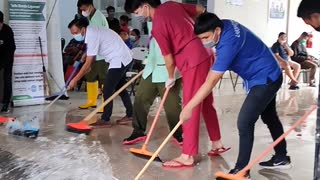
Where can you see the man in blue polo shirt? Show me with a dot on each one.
(238, 49)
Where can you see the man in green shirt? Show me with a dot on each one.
(97, 73)
(153, 83)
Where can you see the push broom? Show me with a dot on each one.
(158, 150)
(143, 152)
(63, 91)
(240, 175)
(84, 125)
(76, 65)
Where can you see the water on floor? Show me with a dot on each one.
(58, 154)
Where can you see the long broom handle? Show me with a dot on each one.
(163, 99)
(64, 89)
(158, 150)
(266, 151)
(112, 97)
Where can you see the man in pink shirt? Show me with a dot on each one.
(181, 48)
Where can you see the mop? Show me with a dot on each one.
(240, 175)
(143, 152)
(63, 91)
(83, 126)
(30, 127)
(44, 72)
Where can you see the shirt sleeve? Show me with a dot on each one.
(225, 55)
(92, 42)
(191, 9)
(160, 33)
(275, 48)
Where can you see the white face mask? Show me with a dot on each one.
(282, 42)
(141, 17)
(85, 13)
(211, 43)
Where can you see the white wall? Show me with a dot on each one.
(254, 15)
(68, 8)
(4, 9)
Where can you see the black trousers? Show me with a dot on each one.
(115, 79)
(7, 82)
(261, 101)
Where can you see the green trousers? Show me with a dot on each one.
(98, 72)
(146, 94)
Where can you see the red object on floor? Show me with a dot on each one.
(217, 152)
(68, 72)
(139, 139)
(5, 119)
(178, 166)
(79, 127)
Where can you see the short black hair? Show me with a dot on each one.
(207, 22)
(308, 7)
(84, 2)
(304, 34)
(125, 18)
(281, 33)
(137, 32)
(1, 17)
(109, 8)
(131, 5)
(82, 22)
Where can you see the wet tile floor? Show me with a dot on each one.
(58, 154)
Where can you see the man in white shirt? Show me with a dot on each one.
(104, 42)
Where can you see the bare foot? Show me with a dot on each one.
(217, 144)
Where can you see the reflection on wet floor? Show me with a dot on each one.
(58, 154)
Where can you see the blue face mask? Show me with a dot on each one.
(78, 37)
(132, 38)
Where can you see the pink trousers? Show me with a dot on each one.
(192, 81)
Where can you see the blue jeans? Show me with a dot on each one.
(261, 100)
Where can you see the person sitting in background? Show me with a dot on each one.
(73, 52)
(124, 22)
(302, 57)
(135, 38)
(282, 51)
(124, 34)
(113, 22)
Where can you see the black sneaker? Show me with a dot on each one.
(235, 171)
(5, 108)
(294, 87)
(277, 163)
(134, 138)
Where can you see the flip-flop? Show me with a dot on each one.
(218, 151)
(178, 165)
(139, 139)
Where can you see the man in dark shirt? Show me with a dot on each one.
(113, 22)
(7, 48)
(302, 57)
(282, 51)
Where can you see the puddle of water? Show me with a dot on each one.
(71, 158)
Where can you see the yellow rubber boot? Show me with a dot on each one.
(102, 101)
(92, 95)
